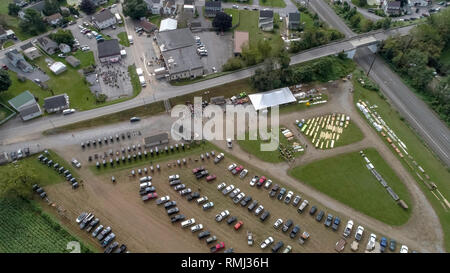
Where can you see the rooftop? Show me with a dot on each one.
(213, 4)
(271, 98)
(173, 39)
(21, 99)
(266, 13)
(103, 16)
(184, 59)
(294, 16)
(55, 101)
(108, 48)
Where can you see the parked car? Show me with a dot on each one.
(173, 211)
(261, 181)
(288, 197)
(252, 205)
(185, 191)
(267, 242)
(92, 224)
(163, 200)
(218, 158)
(232, 166)
(383, 244)
(221, 186)
(187, 223)
(372, 241)
(313, 210)
(348, 228)
(243, 173)
(238, 225)
(287, 249)
(320, 216)
(303, 206)
(277, 246)
(231, 220)
(235, 192)
(211, 239)
(229, 143)
(238, 197)
(281, 193)
(104, 233)
(170, 204)
(254, 180)
(278, 223)
(224, 214)
(259, 210)
(296, 200)
(135, 119)
(108, 239)
(218, 247)
(287, 225)
(202, 200)
(237, 170)
(245, 201)
(274, 190)
(203, 234)
(177, 218)
(328, 220)
(264, 216)
(359, 233)
(268, 184)
(174, 177)
(392, 245)
(197, 228)
(228, 189)
(404, 249)
(97, 231)
(121, 249)
(336, 223)
(294, 231)
(208, 205)
(211, 177)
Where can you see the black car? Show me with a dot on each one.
(134, 119)
(294, 231)
(245, 201)
(121, 249)
(313, 210)
(281, 194)
(170, 204)
(104, 233)
(112, 247)
(192, 196)
(274, 190)
(172, 211)
(230, 250)
(147, 190)
(336, 223)
(277, 246)
(252, 205)
(92, 224)
(177, 218)
(204, 234)
(320, 216)
(231, 220)
(264, 215)
(328, 221)
(287, 225)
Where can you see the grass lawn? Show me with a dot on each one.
(8, 44)
(235, 15)
(346, 179)
(86, 58)
(437, 171)
(272, 3)
(134, 78)
(155, 19)
(4, 112)
(123, 39)
(445, 56)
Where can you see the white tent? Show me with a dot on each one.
(58, 68)
(168, 24)
(271, 98)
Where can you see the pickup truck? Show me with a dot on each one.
(217, 247)
(249, 238)
(348, 228)
(372, 241)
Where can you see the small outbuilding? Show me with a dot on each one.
(56, 103)
(74, 62)
(58, 68)
(272, 98)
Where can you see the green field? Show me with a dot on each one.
(86, 58)
(8, 44)
(26, 229)
(123, 39)
(4, 112)
(445, 56)
(155, 19)
(437, 171)
(272, 3)
(346, 179)
(134, 78)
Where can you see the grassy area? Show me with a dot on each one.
(8, 44)
(445, 56)
(123, 39)
(30, 230)
(234, 13)
(134, 78)
(86, 58)
(190, 149)
(437, 171)
(272, 3)
(4, 112)
(155, 19)
(347, 180)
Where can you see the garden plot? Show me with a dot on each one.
(325, 131)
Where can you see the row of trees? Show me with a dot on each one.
(251, 55)
(417, 57)
(357, 21)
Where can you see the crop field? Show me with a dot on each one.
(26, 229)
(346, 178)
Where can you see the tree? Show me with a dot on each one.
(362, 3)
(264, 48)
(87, 6)
(32, 22)
(222, 21)
(13, 9)
(135, 8)
(17, 180)
(74, 10)
(284, 59)
(63, 36)
(50, 7)
(5, 81)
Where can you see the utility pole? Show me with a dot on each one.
(371, 65)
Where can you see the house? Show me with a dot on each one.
(265, 20)
(168, 24)
(147, 26)
(37, 6)
(392, 7)
(17, 60)
(56, 103)
(53, 19)
(189, 2)
(104, 19)
(23, 99)
(32, 53)
(293, 20)
(30, 111)
(212, 8)
(47, 44)
(170, 7)
(240, 39)
(74, 62)
(57, 67)
(154, 6)
(20, 3)
(2, 33)
(109, 51)
(419, 3)
(64, 48)
(179, 52)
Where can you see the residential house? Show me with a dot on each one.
(64, 48)
(17, 60)
(392, 8)
(212, 8)
(54, 19)
(419, 3)
(293, 20)
(104, 19)
(48, 45)
(32, 53)
(26, 105)
(20, 3)
(109, 51)
(189, 2)
(265, 20)
(74, 62)
(147, 26)
(56, 103)
(154, 6)
(170, 7)
(37, 6)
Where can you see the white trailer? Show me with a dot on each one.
(118, 18)
(142, 81)
(130, 39)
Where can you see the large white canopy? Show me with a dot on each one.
(271, 98)
(168, 24)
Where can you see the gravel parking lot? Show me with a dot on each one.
(220, 49)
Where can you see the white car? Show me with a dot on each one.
(348, 228)
(221, 186)
(238, 198)
(187, 223)
(218, 158)
(197, 228)
(235, 192)
(404, 249)
(268, 184)
(80, 27)
(68, 111)
(267, 242)
(371, 242)
(208, 205)
(222, 215)
(229, 143)
(85, 48)
(163, 200)
(228, 189)
(76, 163)
(235, 6)
(214, 69)
(174, 177)
(259, 210)
(359, 233)
(243, 173)
(253, 181)
(303, 206)
(202, 200)
(288, 197)
(278, 223)
(232, 166)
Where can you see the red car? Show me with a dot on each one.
(238, 225)
(196, 170)
(261, 181)
(149, 196)
(210, 177)
(237, 170)
(5, 67)
(218, 247)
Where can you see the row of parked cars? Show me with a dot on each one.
(105, 236)
(45, 159)
(105, 140)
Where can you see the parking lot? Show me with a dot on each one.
(220, 49)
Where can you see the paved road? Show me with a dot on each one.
(435, 132)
